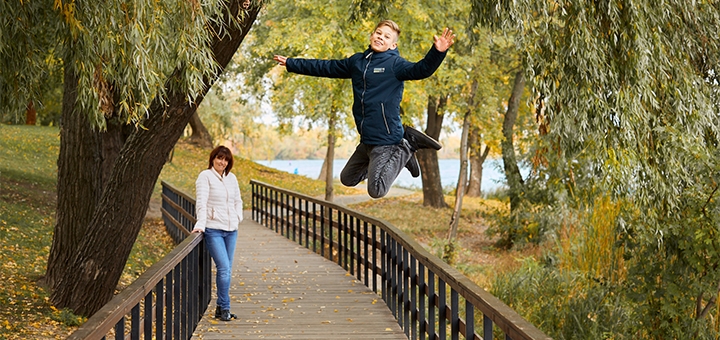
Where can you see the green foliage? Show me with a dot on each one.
(28, 32)
(122, 52)
(630, 87)
(628, 98)
(566, 305)
(538, 214)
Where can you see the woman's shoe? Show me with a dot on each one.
(218, 312)
(225, 315)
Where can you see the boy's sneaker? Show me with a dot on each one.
(419, 140)
(413, 166)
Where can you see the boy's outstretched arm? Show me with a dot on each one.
(443, 42)
(280, 59)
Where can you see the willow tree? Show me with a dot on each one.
(134, 75)
(628, 92)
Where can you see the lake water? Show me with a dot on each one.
(493, 176)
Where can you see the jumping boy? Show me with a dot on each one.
(377, 74)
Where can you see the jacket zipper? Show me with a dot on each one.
(382, 106)
(362, 98)
(227, 202)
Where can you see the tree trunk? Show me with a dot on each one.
(90, 278)
(323, 169)
(428, 160)
(477, 159)
(330, 159)
(200, 135)
(462, 178)
(512, 171)
(30, 114)
(79, 183)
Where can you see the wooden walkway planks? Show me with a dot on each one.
(281, 290)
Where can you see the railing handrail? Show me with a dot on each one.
(190, 255)
(509, 321)
(105, 319)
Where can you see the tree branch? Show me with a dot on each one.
(709, 305)
(704, 208)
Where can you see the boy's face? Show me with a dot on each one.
(384, 38)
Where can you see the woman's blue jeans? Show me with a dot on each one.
(221, 245)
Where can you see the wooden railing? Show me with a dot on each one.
(429, 298)
(169, 299)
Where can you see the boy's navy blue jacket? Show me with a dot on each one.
(377, 81)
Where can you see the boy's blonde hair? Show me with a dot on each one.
(391, 24)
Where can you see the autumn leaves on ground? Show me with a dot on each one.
(28, 172)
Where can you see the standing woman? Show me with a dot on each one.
(218, 208)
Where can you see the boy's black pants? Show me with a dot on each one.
(379, 164)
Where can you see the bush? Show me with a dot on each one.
(565, 305)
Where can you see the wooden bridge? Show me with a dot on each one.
(281, 290)
(304, 269)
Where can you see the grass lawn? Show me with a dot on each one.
(28, 174)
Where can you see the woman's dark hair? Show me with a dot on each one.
(222, 153)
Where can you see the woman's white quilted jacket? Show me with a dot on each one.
(218, 204)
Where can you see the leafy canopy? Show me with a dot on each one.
(122, 51)
(630, 85)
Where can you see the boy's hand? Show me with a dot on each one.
(280, 59)
(444, 42)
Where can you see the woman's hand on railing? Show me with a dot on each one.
(197, 230)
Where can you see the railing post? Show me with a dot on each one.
(442, 308)
(135, 323)
(375, 264)
(159, 299)
(469, 320)
(366, 254)
(148, 323)
(357, 253)
(455, 318)
(405, 291)
(432, 305)
(168, 306)
(413, 297)
(422, 288)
